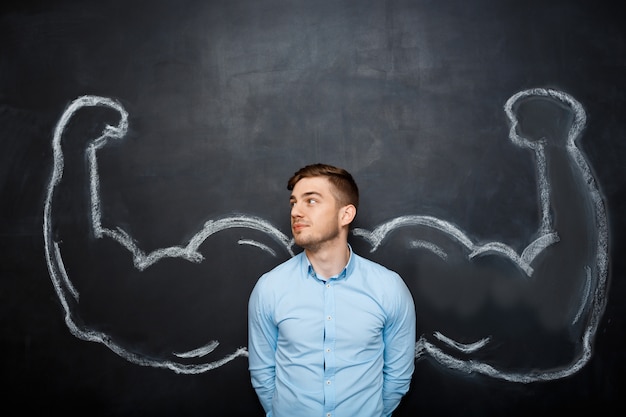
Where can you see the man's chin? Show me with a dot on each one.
(304, 242)
(300, 242)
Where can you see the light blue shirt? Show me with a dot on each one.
(344, 347)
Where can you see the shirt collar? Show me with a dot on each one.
(345, 272)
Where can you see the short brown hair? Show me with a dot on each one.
(342, 180)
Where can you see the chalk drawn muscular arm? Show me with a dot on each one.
(484, 307)
(107, 302)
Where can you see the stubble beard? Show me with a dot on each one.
(313, 243)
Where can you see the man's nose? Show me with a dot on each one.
(295, 210)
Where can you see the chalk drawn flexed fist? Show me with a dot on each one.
(483, 306)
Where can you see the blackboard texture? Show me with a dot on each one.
(146, 147)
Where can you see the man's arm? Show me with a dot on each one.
(399, 338)
(262, 337)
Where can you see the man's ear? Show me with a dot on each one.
(347, 214)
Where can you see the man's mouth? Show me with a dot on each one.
(298, 226)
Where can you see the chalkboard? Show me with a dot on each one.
(146, 151)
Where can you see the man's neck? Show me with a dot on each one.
(329, 260)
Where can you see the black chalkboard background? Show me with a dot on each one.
(225, 100)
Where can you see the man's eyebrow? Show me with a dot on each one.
(307, 194)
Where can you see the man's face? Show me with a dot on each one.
(314, 213)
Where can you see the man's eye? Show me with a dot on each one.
(311, 201)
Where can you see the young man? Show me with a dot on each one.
(330, 333)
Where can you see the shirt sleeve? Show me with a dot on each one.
(399, 338)
(262, 339)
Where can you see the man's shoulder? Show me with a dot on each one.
(287, 266)
(376, 270)
(278, 277)
(363, 262)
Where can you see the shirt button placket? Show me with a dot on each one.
(329, 348)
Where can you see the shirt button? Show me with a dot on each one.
(329, 318)
(327, 350)
(327, 285)
(327, 382)
(328, 414)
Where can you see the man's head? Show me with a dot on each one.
(345, 188)
(323, 202)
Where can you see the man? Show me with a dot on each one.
(330, 333)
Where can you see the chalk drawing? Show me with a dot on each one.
(62, 282)
(590, 309)
(592, 302)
